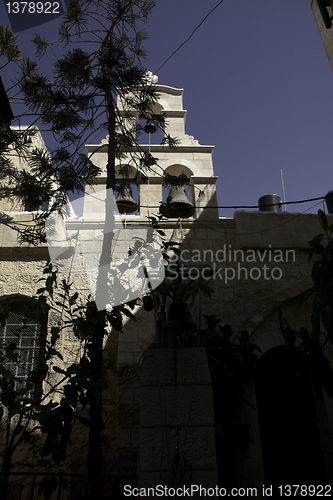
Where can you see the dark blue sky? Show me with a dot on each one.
(257, 85)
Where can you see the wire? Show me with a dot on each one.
(255, 206)
(180, 46)
(273, 204)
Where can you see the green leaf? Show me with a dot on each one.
(57, 369)
(317, 247)
(101, 382)
(323, 220)
(329, 290)
(148, 303)
(303, 334)
(49, 285)
(315, 333)
(73, 298)
(84, 421)
(116, 323)
(48, 486)
(128, 314)
(43, 304)
(304, 297)
(327, 319)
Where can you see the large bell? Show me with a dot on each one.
(179, 319)
(162, 338)
(178, 206)
(125, 202)
(150, 127)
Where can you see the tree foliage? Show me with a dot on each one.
(97, 63)
(317, 343)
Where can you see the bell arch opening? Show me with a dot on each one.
(176, 170)
(127, 193)
(155, 137)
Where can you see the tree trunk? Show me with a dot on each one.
(95, 459)
(6, 466)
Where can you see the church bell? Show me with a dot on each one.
(125, 202)
(179, 321)
(150, 127)
(178, 206)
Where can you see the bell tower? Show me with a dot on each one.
(190, 158)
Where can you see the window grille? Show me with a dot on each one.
(26, 327)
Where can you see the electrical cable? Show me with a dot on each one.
(180, 46)
(257, 206)
(204, 223)
(294, 202)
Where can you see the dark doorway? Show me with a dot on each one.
(290, 439)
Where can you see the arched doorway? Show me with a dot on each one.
(290, 440)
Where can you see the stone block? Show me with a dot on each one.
(176, 403)
(84, 235)
(195, 477)
(135, 438)
(170, 366)
(11, 289)
(6, 278)
(27, 278)
(26, 267)
(200, 234)
(128, 415)
(129, 347)
(9, 267)
(124, 438)
(26, 288)
(125, 358)
(199, 449)
(39, 266)
(253, 467)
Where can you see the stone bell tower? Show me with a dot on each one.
(139, 427)
(190, 158)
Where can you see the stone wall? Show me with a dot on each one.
(177, 444)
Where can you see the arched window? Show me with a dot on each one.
(23, 334)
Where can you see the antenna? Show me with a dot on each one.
(284, 197)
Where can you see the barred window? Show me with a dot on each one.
(25, 328)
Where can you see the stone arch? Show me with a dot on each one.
(190, 167)
(165, 106)
(132, 170)
(177, 169)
